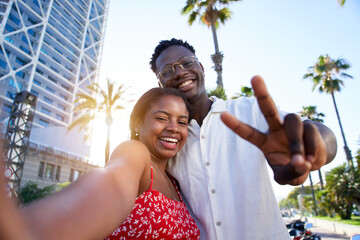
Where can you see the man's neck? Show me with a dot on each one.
(200, 108)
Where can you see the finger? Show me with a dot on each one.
(310, 137)
(294, 132)
(315, 149)
(290, 174)
(243, 130)
(266, 103)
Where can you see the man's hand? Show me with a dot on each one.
(292, 148)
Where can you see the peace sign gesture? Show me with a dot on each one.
(292, 148)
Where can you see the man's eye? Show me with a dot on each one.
(186, 64)
(167, 72)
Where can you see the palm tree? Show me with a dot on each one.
(210, 15)
(311, 113)
(327, 75)
(99, 101)
(341, 2)
(245, 92)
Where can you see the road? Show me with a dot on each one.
(327, 235)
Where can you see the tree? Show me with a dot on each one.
(245, 92)
(218, 92)
(31, 192)
(310, 113)
(342, 189)
(327, 75)
(341, 2)
(99, 101)
(211, 13)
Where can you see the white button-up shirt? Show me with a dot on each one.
(225, 179)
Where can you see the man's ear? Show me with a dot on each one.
(202, 68)
(160, 84)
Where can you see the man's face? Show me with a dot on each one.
(190, 80)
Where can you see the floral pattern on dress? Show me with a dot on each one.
(155, 216)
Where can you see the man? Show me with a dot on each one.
(224, 177)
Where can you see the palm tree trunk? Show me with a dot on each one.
(217, 58)
(313, 194)
(107, 147)
(346, 148)
(321, 180)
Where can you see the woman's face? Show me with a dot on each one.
(165, 127)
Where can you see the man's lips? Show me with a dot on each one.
(183, 85)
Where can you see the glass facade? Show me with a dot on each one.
(51, 48)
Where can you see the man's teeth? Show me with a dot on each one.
(173, 140)
(185, 84)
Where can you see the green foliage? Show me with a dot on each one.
(218, 92)
(61, 186)
(293, 195)
(31, 192)
(209, 12)
(245, 92)
(285, 204)
(327, 74)
(311, 113)
(343, 185)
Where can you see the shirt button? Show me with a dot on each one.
(213, 191)
(202, 136)
(207, 164)
(218, 224)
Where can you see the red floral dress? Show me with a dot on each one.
(155, 216)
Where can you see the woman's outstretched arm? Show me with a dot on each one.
(94, 205)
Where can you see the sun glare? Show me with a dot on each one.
(119, 132)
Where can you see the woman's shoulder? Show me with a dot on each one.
(133, 150)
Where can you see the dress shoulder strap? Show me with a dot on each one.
(176, 186)
(152, 176)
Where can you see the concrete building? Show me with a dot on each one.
(51, 48)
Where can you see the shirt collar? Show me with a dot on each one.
(219, 105)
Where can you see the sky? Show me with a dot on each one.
(278, 40)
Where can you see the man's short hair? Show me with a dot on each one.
(164, 44)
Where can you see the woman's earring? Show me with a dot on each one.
(137, 132)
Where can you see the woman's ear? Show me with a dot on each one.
(137, 125)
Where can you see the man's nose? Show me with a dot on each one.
(179, 70)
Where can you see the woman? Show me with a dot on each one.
(103, 199)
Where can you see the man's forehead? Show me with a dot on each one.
(172, 54)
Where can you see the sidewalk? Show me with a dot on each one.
(340, 228)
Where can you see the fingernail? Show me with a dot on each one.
(297, 159)
(310, 158)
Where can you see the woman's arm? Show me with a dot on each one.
(94, 205)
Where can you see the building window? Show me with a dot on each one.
(46, 111)
(48, 100)
(50, 89)
(41, 170)
(34, 92)
(49, 171)
(3, 64)
(61, 107)
(37, 82)
(59, 117)
(62, 96)
(43, 123)
(74, 174)
(6, 108)
(58, 171)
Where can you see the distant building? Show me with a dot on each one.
(51, 48)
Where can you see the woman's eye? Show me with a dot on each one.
(161, 118)
(183, 123)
